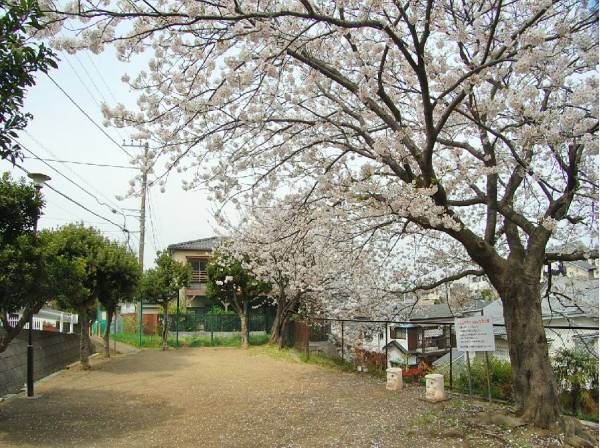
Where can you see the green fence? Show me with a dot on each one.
(261, 320)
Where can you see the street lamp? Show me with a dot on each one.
(39, 180)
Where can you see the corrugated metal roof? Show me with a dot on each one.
(200, 244)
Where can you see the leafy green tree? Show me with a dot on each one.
(19, 60)
(161, 285)
(81, 248)
(118, 277)
(575, 370)
(20, 255)
(229, 282)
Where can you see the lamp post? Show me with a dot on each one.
(39, 180)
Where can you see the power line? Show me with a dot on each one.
(154, 239)
(68, 178)
(124, 229)
(101, 77)
(98, 192)
(90, 78)
(88, 116)
(81, 81)
(103, 165)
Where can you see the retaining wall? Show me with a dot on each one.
(52, 352)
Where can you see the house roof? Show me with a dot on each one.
(396, 345)
(458, 357)
(569, 297)
(571, 247)
(437, 311)
(200, 244)
(443, 311)
(582, 264)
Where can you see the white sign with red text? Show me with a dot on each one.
(474, 334)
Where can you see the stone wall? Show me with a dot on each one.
(52, 352)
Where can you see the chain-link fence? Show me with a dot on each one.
(206, 328)
(423, 347)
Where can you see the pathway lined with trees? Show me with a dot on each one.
(239, 398)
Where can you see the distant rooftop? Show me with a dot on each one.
(569, 248)
(200, 244)
(443, 311)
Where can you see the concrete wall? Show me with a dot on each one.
(52, 352)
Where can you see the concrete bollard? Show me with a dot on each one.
(434, 387)
(394, 378)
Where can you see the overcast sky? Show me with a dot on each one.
(61, 131)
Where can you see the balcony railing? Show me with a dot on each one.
(199, 277)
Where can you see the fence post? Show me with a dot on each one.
(386, 344)
(177, 323)
(212, 329)
(343, 359)
(308, 339)
(487, 374)
(141, 321)
(450, 340)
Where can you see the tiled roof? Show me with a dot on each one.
(201, 244)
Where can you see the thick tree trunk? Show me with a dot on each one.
(534, 384)
(109, 316)
(84, 338)
(165, 327)
(277, 327)
(244, 327)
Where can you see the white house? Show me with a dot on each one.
(50, 320)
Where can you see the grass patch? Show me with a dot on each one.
(327, 361)
(283, 354)
(154, 341)
(425, 420)
(293, 355)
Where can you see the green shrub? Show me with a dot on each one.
(130, 324)
(500, 378)
(576, 373)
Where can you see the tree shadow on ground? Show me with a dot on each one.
(145, 361)
(79, 417)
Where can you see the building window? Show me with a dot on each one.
(198, 266)
(398, 333)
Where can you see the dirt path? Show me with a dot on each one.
(223, 398)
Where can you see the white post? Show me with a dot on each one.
(71, 323)
(61, 321)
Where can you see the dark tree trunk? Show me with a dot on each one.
(165, 327)
(574, 398)
(109, 316)
(84, 338)
(277, 327)
(8, 333)
(534, 384)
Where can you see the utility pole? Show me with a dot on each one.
(143, 207)
(143, 194)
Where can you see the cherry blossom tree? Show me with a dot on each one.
(311, 263)
(472, 123)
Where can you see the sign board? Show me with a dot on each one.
(475, 334)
